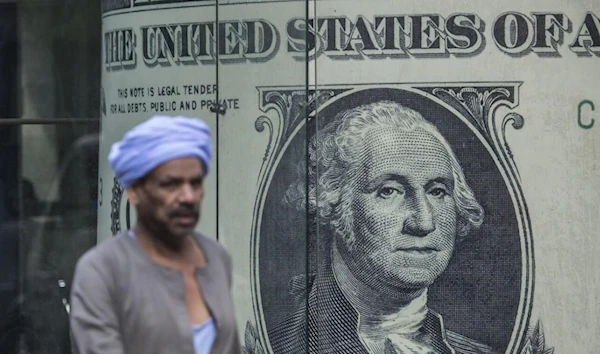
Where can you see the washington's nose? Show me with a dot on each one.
(419, 221)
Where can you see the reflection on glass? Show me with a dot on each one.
(49, 98)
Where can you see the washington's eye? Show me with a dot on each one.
(439, 192)
(387, 192)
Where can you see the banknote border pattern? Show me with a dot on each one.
(116, 202)
(286, 110)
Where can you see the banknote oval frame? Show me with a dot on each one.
(483, 109)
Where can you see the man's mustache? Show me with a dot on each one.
(184, 210)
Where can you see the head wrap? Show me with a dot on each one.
(158, 140)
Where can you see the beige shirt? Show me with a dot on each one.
(123, 302)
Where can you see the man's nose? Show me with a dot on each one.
(187, 193)
(419, 221)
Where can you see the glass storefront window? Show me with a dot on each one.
(49, 128)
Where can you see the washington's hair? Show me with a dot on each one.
(334, 163)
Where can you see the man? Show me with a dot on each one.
(161, 287)
(392, 202)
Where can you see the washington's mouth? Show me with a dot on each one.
(418, 250)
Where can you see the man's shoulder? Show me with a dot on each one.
(465, 345)
(102, 255)
(212, 245)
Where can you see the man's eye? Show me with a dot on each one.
(168, 184)
(387, 192)
(439, 192)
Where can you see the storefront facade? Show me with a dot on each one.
(510, 89)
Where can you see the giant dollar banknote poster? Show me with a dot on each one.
(393, 177)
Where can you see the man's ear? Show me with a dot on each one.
(132, 195)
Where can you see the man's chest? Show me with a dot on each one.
(153, 310)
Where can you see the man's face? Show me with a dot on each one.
(168, 199)
(404, 210)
